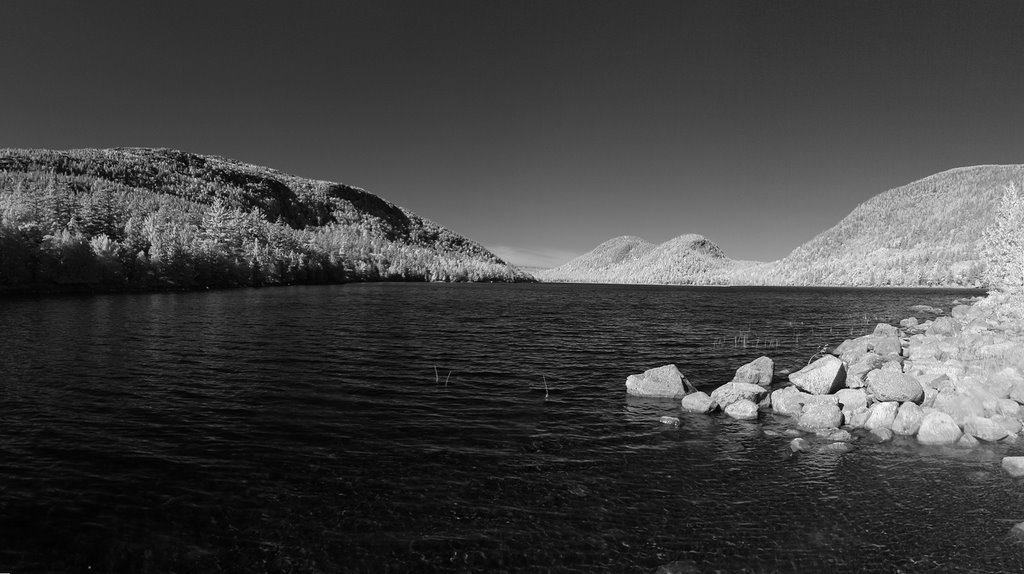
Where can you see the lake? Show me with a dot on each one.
(406, 428)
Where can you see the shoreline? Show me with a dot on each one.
(955, 381)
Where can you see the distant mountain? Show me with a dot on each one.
(686, 260)
(141, 218)
(925, 233)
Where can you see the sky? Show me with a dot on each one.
(542, 128)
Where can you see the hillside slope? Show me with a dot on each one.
(923, 233)
(159, 218)
(686, 260)
(926, 233)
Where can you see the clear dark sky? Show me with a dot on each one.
(541, 129)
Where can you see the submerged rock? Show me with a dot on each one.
(822, 377)
(938, 428)
(730, 393)
(698, 402)
(757, 372)
(664, 381)
(880, 435)
(799, 445)
(667, 420)
(835, 435)
(836, 448)
(743, 410)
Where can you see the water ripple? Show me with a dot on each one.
(305, 430)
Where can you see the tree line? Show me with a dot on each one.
(76, 229)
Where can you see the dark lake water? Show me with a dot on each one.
(304, 430)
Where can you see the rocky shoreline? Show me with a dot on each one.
(955, 381)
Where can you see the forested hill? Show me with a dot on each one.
(140, 218)
(686, 260)
(924, 233)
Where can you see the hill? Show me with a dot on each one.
(923, 233)
(686, 260)
(141, 218)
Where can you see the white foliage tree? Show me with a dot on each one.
(1003, 243)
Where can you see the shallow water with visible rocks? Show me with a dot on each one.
(406, 428)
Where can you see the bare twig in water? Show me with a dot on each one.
(436, 381)
(545, 386)
(820, 352)
(446, 378)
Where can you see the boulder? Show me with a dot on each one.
(1017, 392)
(698, 402)
(1011, 424)
(938, 428)
(937, 381)
(882, 415)
(819, 415)
(887, 347)
(1002, 383)
(908, 419)
(944, 326)
(666, 420)
(858, 417)
(1014, 465)
(851, 399)
(960, 312)
(924, 352)
(729, 393)
(929, 397)
(926, 309)
(885, 330)
(967, 441)
(853, 347)
(787, 401)
(664, 381)
(984, 429)
(860, 367)
(909, 323)
(822, 377)
(742, 409)
(757, 372)
(958, 406)
(893, 366)
(894, 386)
